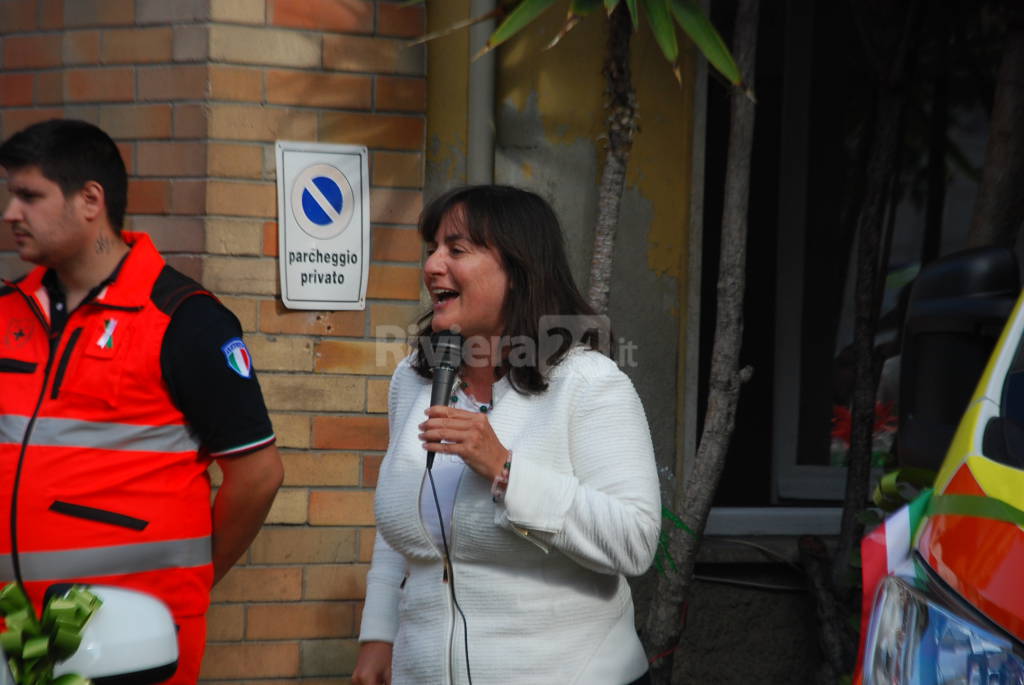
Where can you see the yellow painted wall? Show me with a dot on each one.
(448, 61)
(568, 85)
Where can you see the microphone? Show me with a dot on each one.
(446, 357)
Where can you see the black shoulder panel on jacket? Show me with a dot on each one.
(172, 288)
(7, 289)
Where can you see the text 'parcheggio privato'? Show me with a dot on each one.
(337, 260)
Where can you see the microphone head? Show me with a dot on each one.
(446, 350)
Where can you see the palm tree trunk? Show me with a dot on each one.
(882, 171)
(621, 128)
(664, 627)
(999, 210)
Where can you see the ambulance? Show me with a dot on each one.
(952, 612)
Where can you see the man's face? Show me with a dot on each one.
(46, 225)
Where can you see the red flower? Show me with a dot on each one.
(842, 421)
(885, 420)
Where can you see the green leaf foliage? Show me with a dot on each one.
(700, 30)
(663, 27)
(577, 10)
(584, 7)
(686, 13)
(524, 13)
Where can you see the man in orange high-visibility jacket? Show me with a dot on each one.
(121, 380)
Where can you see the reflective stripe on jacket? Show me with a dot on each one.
(100, 474)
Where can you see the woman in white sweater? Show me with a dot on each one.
(546, 488)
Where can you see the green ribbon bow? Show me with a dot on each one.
(34, 646)
(899, 487)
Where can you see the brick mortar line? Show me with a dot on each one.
(100, 103)
(372, 33)
(232, 217)
(330, 338)
(273, 602)
(240, 141)
(35, 70)
(332, 488)
(268, 257)
(332, 415)
(345, 72)
(287, 107)
(324, 70)
(288, 372)
(118, 27)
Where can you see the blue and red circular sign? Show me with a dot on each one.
(322, 201)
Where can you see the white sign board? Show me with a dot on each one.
(323, 211)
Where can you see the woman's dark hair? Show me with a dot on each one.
(524, 231)
(71, 153)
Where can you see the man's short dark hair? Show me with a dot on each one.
(71, 153)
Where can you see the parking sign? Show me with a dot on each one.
(323, 211)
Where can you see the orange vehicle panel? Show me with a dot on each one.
(978, 557)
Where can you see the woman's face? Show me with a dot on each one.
(467, 282)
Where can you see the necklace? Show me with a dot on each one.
(470, 402)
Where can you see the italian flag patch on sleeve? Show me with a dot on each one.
(237, 356)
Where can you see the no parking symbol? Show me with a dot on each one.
(323, 225)
(322, 201)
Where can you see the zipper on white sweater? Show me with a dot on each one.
(445, 578)
(525, 534)
(448, 580)
(451, 639)
(423, 527)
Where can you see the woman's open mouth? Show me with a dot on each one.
(441, 296)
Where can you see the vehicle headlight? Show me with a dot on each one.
(914, 640)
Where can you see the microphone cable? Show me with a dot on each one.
(449, 574)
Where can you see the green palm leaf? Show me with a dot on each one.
(516, 21)
(582, 8)
(698, 27)
(663, 27)
(577, 10)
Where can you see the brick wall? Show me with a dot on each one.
(196, 92)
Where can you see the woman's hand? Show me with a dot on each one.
(373, 666)
(467, 434)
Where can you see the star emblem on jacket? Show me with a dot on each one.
(19, 332)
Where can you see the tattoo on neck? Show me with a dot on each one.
(102, 244)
